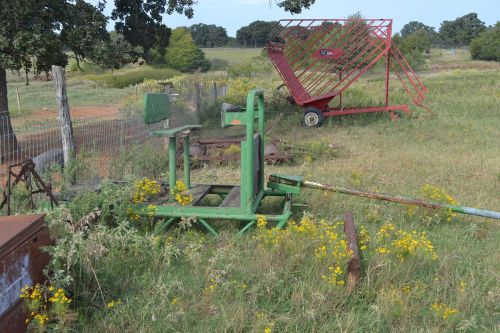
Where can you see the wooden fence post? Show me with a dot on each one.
(197, 87)
(63, 116)
(215, 92)
(18, 100)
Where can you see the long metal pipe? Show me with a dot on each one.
(403, 200)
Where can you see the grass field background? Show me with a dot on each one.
(188, 281)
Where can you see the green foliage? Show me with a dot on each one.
(218, 64)
(127, 77)
(147, 160)
(112, 200)
(208, 35)
(183, 54)
(256, 34)
(487, 45)
(239, 88)
(53, 26)
(141, 23)
(415, 26)
(413, 46)
(295, 6)
(257, 66)
(462, 30)
(115, 53)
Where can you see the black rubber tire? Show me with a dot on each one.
(313, 117)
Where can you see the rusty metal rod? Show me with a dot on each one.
(403, 200)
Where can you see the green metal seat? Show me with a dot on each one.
(171, 132)
(157, 108)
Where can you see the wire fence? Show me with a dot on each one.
(105, 130)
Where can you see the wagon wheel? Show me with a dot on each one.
(313, 117)
(281, 93)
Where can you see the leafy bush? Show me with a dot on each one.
(487, 45)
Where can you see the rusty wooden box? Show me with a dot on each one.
(21, 264)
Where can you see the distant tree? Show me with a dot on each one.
(208, 35)
(414, 26)
(417, 41)
(295, 6)
(256, 34)
(115, 53)
(487, 45)
(232, 42)
(413, 47)
(35, 34)
(462, 30)
(183, 54)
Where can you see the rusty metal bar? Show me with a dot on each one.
(403, 200)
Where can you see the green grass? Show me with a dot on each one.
(40, 95)
(232, 55)
(164, 281)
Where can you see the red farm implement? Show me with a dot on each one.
(318, 59)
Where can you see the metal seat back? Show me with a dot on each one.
(157, 108)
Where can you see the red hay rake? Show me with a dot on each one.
(320, 58)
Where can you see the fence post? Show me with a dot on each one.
(63, 116)
(18, 100)
(197, 96)
(214, 87)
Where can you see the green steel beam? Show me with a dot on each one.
(208, 227)
(187, 171)
(172, 177)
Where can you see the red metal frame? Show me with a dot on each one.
(318, 59)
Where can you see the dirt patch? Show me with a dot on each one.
(82, 111)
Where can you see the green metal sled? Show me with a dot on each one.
(240, 202)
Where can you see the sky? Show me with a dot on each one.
(233, 14)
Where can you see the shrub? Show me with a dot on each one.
(487, 45)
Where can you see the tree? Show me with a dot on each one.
(462, 30)
(115, 53)
(414, 26)
(295, 6)
(256, 34)
(418, 41)
(208, 35)
(487, 45)
(34, 35)
(183, 54)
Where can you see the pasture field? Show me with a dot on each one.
(421, 271)
(232, 54)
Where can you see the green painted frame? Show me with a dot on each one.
(249, 201)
